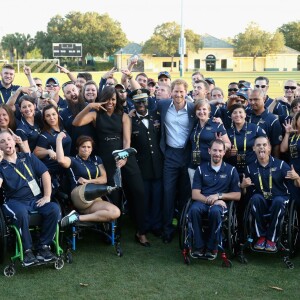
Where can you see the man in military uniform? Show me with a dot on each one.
(145, 139)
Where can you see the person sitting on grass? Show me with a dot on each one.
(87, 177)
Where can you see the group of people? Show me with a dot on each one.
(188, 144)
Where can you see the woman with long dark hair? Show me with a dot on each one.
(45, 149)
(113, 130)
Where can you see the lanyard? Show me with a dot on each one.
(296, 139)
(250, 121)
(260, 181)
(197, 138)
(21, 175)
(88, 170)
(2, 98)
(245, 139)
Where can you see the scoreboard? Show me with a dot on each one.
(67, 49)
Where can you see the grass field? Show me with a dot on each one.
(157, 272)
(222, 79)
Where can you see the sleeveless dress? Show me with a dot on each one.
(109, 132)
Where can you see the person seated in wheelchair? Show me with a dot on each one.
(269, 178)
(88, 182)
(214, 183)
(19, 177)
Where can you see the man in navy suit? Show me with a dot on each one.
(177, 119)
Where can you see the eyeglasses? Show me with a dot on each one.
(39, 84)
(232, 90)
(262, 86)
(52, 85)
(290, 88)
(66, 83)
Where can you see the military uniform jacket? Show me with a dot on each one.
(146, 142)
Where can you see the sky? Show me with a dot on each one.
(138, 19)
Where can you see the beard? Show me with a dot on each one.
(76, 107)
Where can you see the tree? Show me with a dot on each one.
(164, 40)
(8, 43)
(17, 44)
(43, 43)
(99, 34)
(24, 44)
(291, 32)
(255, 42)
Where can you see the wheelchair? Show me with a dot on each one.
(288, 235)
(229, 234)
(108, 230)
(10, 237)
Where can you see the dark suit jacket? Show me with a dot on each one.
(162, 108)
(146, 142)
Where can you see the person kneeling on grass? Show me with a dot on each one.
(214, 183)
(88, 178)
(19, 177)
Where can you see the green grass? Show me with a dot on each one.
(222, 79)
(157, 272)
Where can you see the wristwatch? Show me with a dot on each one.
(220, 196)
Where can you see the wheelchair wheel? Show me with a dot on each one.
(119, 250)
(248, 221)
(9, 271)
(3, 240)
(183, 225)
(69, 257)
(232, 229)
(59, 264)
(293, 228)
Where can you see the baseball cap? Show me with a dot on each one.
(210, 81)
(242, 94)
(245, 84)
(52, 79)
(164, 73)
(151, 81)
(120, 86)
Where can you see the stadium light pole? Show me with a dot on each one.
(121, 57)
(181, 44)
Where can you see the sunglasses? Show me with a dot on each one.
(244, 89)
(290, 88)
(52, 85)
(262, 86)
(121, 91)
(39, 84)
(232, 90)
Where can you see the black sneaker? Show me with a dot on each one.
(71, 218)
(44, 254)
(29, 258)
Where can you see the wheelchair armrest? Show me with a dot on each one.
(61, 195)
